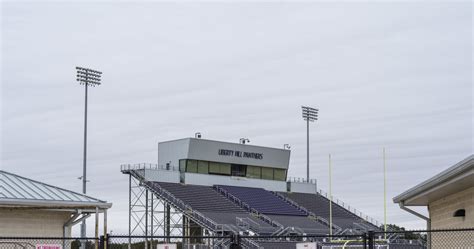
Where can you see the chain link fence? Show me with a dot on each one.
(434, 239)
(168, 242)
(48, 243)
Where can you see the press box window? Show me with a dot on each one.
(238, 169)
(182, 165)
(254, 172)
(267, 173)
(203, 167)
(191, 166)
(279, 174)
(219, 168)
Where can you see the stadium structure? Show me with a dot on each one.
(203, 187)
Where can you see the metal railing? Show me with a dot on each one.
(143, 166)
(307, 212)
(301, 180)
(177, 203)
(250, 209)
(350, 209)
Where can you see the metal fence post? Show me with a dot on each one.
(371, 239)
(106, 242)
(101, 242)
(364, 240)
(236, 243)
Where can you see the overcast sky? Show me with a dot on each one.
(393, 75)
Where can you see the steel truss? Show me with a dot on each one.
(150, 216)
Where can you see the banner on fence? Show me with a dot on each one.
(48, 246)
(307, 245)
(166, 246)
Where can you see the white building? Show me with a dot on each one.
(30, 208)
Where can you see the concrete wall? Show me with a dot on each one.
(159, 175)
(441, 214)
(303, 187)
(33, 223)
(209, 180)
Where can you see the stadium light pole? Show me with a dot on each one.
(309, 115)
(86, 77)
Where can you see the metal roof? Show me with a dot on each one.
(15, 189)
(456, 178)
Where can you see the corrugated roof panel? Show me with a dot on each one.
(16, 187)
(27, 187)
(9, 186)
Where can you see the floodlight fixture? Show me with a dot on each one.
(88, 77)
(309, 114)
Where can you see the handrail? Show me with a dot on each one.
(247, 223)
(250, 209)
(307, 212)
(350, 209)
(301, 180)
(142, 166)
(185, 208)
(177, 203)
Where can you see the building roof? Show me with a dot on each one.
(16, 190)
(224, 142)
(452, 180)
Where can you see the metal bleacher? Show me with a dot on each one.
(216, 207)
(262, 200)
(319, 205)
(265, 202)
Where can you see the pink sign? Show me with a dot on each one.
(48, 246)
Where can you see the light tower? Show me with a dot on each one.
(309, 115)
(86, 77)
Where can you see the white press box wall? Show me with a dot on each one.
(208, 150)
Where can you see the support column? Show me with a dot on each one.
(106, 235)
(129, 211)
(96, 242)
(146, 219)
(167, 228)
(151, 220)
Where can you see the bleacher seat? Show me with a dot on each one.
(319, 205)
(263, 201)
(207, 201)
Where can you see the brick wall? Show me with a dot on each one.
(441, 214)
(442, 211)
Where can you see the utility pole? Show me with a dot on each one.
(86, 77)
(384, 196)
(309, 115)
(330, 196)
